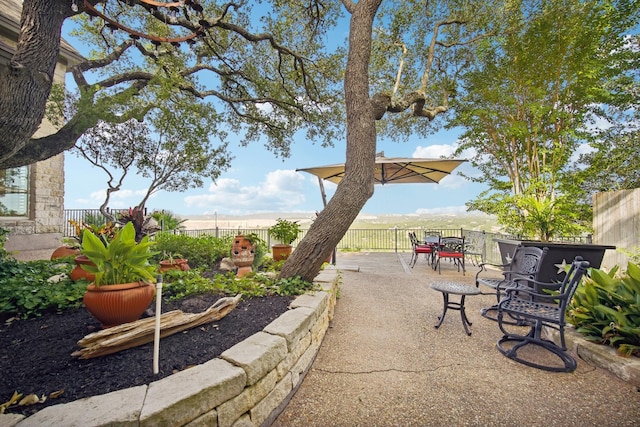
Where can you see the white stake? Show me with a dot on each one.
(156, 336)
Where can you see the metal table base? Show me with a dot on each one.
(455, 288)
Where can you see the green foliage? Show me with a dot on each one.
(122, 260)
(167, 220)
(285, 231)
(606, 309)
(523, 126)
(3, 239)
(179, 284)
(203, 251)
(293, 286)
(26, 292)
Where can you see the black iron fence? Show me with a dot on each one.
(357, 239)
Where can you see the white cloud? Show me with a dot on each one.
(434, 151)
(280, 191)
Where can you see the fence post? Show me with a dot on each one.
(396, 238)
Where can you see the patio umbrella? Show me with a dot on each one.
(390, 170)
(394, 170)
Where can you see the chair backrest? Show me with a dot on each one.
(413, 238)
(475, 241)
(451, 245)
(431, 238)
(572, 280)
(526, 262)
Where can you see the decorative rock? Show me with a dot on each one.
(227, 265)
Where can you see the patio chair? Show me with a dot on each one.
(418, 248)
(526, 262)
(539, 304)
(451, 248)
(474, 248)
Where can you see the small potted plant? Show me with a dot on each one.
(123, 285)
(285, 232)
(173, 261)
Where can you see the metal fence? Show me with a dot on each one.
(357, 239)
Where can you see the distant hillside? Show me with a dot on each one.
(472, 221)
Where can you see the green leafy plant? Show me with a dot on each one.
(285, 231)
(294, 286)
(27, 289)
(606, 309)
(123, 260)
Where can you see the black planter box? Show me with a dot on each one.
(559, 254)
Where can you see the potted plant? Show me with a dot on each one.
(122, 288)
(285, 232)
(173, 261)
(103, 232)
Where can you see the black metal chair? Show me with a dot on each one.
(526, 262)
(539, 304)
(419, 248)
(451, 248)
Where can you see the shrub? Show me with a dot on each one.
(203, 251)
(606, 309)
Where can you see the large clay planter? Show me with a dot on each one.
(242, 254)
(114, 305)
(64, 251)
(176, 264)
(80, 273)
(281, 252)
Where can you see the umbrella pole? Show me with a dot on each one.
(322, 193)
(156, 336)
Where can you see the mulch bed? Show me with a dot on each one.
(35, 355)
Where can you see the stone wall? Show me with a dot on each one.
(248, 386)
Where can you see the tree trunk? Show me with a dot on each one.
(25, 83)
(357, 185)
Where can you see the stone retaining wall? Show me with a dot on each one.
(248, 386)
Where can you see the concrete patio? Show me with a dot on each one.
(382, 362)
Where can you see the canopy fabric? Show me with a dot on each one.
(395, 170)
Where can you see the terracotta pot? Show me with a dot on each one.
(176, 264)
(242, 254)
(64, 251)
(80, 273)
(281, 252)
(114, 305)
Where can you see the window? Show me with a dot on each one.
(14, 191)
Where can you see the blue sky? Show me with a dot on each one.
(259, 182)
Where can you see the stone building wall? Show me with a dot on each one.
(38, 233)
